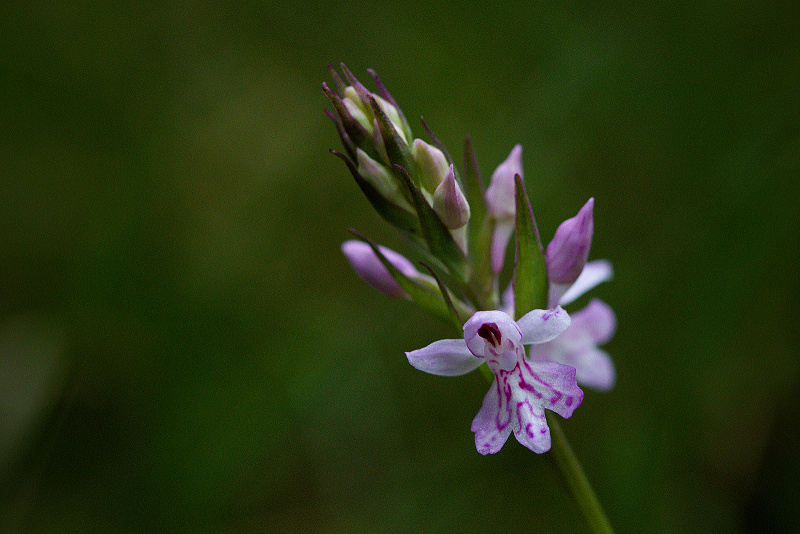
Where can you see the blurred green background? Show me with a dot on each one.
(183, 348)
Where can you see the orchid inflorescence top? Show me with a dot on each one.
(536, 354)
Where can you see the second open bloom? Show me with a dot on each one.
(522, 388)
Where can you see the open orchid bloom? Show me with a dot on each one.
(592, 326)
(578, 346)
(571, 276)
(522, 389)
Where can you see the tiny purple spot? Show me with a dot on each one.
(543, 430)
(569, 401)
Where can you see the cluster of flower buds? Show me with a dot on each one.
(462, 231)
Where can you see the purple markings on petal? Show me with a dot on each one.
(540, 326)
(522, 388)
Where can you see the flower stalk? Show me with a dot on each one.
(576, 479)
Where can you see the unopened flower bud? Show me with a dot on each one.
(502, 203)
(362, 111)
(449, 202)
(356, 108)
(432, 166)
(393, 115)
(369, 268)
(383, 180)
(568, 251)
(500, 196)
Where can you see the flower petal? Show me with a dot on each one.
(500, 196)
(595, 369)
(553, 384)
(533, 431)
(502, 235)
(370, 269)
(540, 326)
(493, 424)
(597, 319)
(446, 357)
(577, 346)
(594, 273)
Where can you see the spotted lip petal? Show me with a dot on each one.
(517, 400)
(522, 388)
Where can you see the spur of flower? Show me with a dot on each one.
(522, 388)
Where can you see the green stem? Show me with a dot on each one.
(576, 479)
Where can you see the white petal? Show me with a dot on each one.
(446, 357)
(540, 326)
(594, 273)
(533, 431)
(493, 424)
(555, 384)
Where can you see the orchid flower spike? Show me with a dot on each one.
(522, 388)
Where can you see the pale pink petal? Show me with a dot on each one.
(533, 431)
(493, 424)
(594, 273)
(595, 369)
(540, 326)
(500, 195)
(597, 319)
(446, 357)
(368, 266)
(502, 235)
(577, 346)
